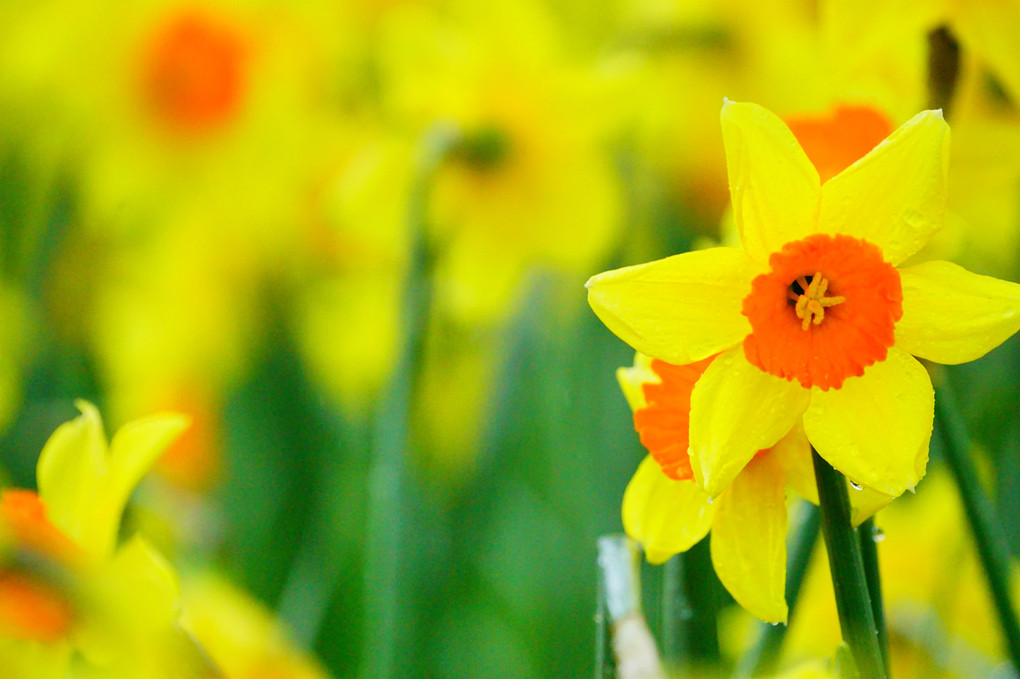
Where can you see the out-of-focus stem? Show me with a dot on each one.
(384, 602)
(943, 68)
(988, 536)
(764, 651)
(634, 648)
(853, 602)
(690, 603)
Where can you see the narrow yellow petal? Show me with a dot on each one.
(737, 410)
(70, 470)
(666, 516)
(773, 185)
(951, 315)
(895, 196)
(793, 453)
(680, 309)
(749, 540)
(876, 428)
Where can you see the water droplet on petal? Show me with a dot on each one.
(877, 534)
(856, 486)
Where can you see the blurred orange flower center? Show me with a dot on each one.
(835, 142)
(824, 312)
(32, 610)
(24, 514)
(194, 73)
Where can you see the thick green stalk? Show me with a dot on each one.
(853, 602)
(988, 536)
(761, 657)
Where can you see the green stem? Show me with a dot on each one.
(690, 603)
(853, 602)
(869, 536)
(988, 536)
(385, 603)
(762, 655)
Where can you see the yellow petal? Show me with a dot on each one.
(632, 378)
(749, 540)
(85, 486)
(864, 502)
(793, 453)
(680, 309)
(895, 196)
(773, 185)
(666, 516)
(133, 450)
(70, 469)
(876, 428)
(140, 594)
(737, 410)
(951, 315)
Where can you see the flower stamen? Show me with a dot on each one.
(811, 302)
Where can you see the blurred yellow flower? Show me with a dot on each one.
(85, 482)
(116, 606)
(529, 182)
(813, 321)
(240, 635)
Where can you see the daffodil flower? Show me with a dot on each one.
(124, 596)
(813, 322)
(665, 511)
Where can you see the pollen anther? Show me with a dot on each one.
(812, 302)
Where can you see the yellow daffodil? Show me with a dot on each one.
(114, 605)
(530, 182)
(667, 512)
(813, 322)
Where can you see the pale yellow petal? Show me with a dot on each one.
(895, 196)
(951, 315)
(793, 453)
(680, 309)
(133, 450)
(71, 467)
(666, 516)
(864, 503)
(875, 429)
(737, 410)
(749, 540)
(633, 377)
(773, 185)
